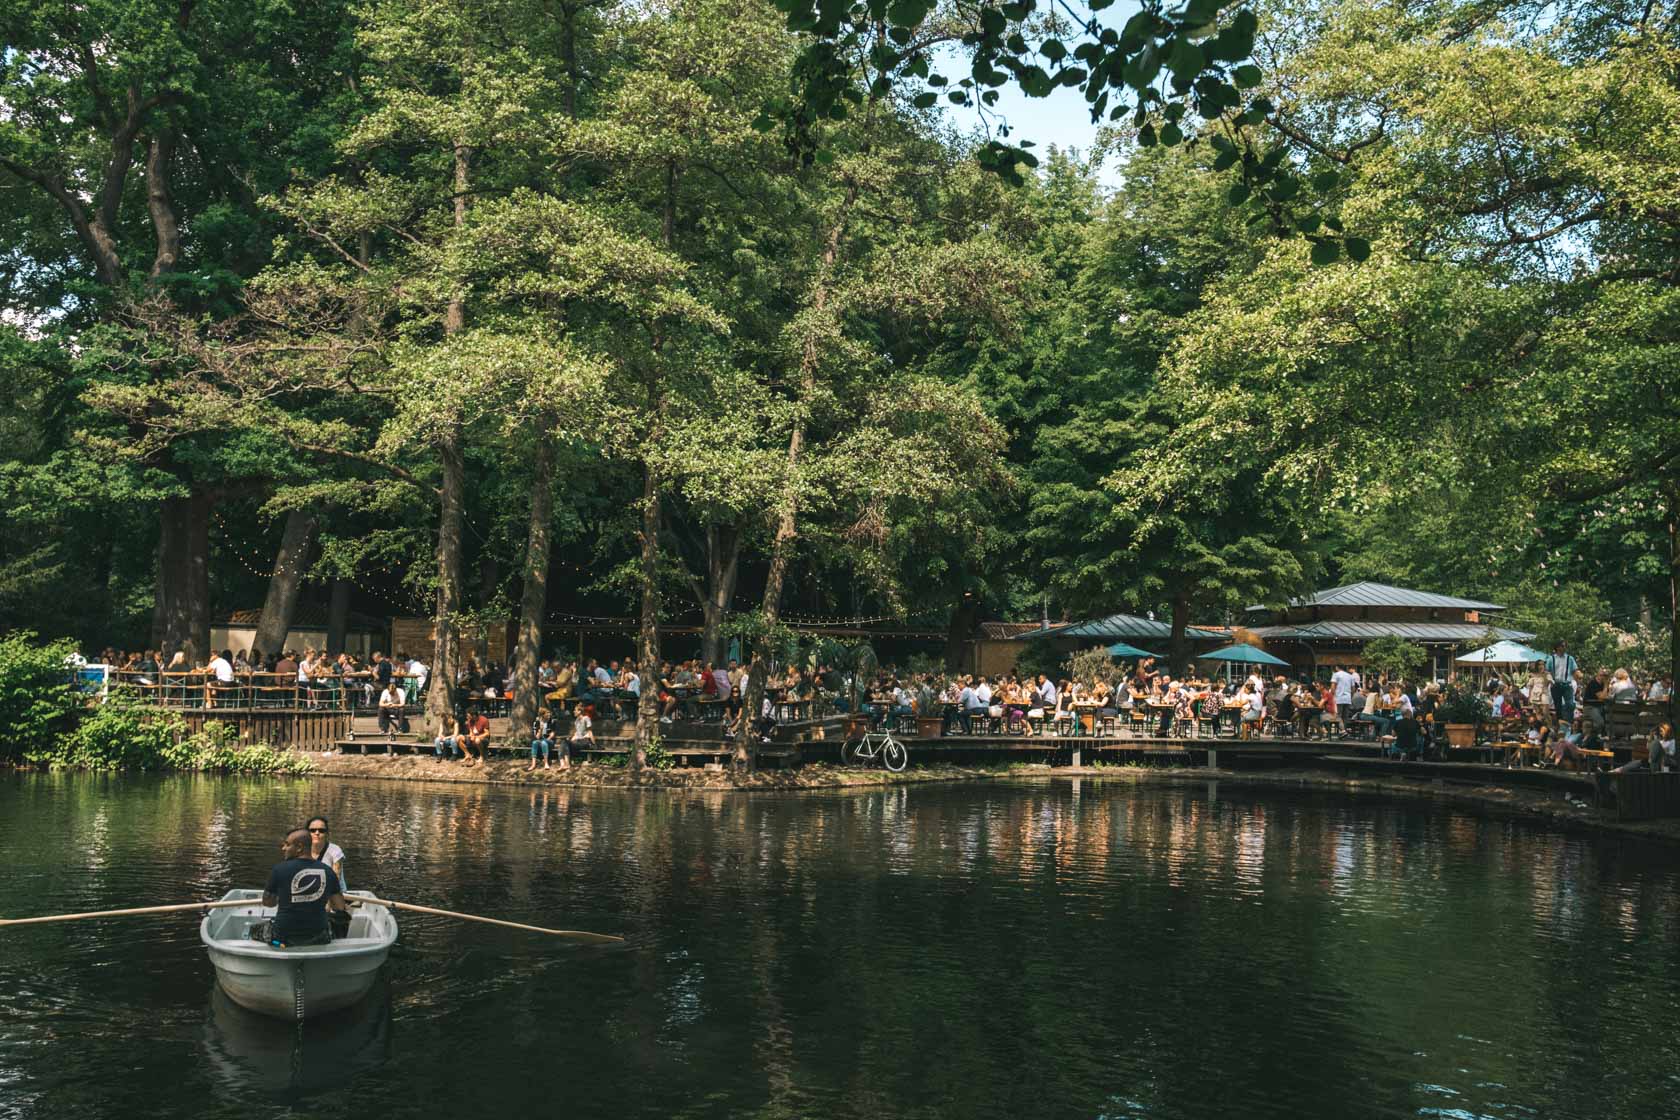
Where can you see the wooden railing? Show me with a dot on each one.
(199, 690)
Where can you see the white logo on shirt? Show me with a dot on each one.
(308, 885)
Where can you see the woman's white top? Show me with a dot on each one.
(333, 857)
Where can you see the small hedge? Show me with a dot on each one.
(37, 705)
(44, 721)
(121, 734)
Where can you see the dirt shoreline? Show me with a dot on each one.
(1547, 807)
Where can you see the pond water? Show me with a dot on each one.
(1064, 948)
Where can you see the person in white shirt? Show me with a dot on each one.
(391, 712)
(1343, 684)
(221, 666)
(221, 673)
(983, 692)
(1253, 711)
(415, 684)
(1659, 689)
(1046, 692)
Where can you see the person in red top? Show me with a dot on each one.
(476, 739)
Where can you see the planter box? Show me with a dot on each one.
(927, 727)
(1461, 734)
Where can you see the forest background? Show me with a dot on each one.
(730, 313)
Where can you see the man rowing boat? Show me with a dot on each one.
(301, 889)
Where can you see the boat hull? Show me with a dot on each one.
(299, 982)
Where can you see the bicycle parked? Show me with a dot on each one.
(871, 745)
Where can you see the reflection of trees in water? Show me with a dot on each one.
(844, 939)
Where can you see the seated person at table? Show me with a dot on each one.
(903, 704)
(1369, 713)
(1659, 752)
(391, 713)
(968, 701)
(1104, 699)
(448, 741)
(1253, 710)
(1408, 743)
(301, 890)
(477, 737)
(565, 678)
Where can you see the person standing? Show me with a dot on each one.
(301, 890)
(1560, 671)
(1344, 683)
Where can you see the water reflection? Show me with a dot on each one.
(248, 1052)
(1042, 949)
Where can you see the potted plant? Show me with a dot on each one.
(1459, 711)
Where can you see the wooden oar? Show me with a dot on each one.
(581, 935)
(127, 913)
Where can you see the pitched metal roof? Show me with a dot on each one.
(1364, 631)
(1123, 626)
(1368, 594)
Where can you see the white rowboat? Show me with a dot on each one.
(302, 981)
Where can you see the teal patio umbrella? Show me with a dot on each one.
(1121, 649)
(1245, 653)
(1502, 653)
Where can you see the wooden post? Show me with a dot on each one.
(1213, 758)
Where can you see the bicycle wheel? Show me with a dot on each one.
(894, 755)
(848, 753)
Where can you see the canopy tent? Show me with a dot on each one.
(1121, 649)
(1243, 652)
(1502, 653)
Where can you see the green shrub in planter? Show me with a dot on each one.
(1460, 705)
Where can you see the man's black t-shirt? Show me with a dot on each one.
(382, 673)
(1593, 693)
(303, 887)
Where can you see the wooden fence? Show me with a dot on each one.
(301, 728)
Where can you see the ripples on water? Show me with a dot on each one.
(1063, 949)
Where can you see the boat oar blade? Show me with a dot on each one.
(574, 934)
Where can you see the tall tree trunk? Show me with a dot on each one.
(647, 641)
(451, 515)
(534, 601)
(196, 612)
(1673, 494)
(338, 616)
(184, 575)
(1178, 647)
(723, 557)
(162, 587)
(964, 617)
(787, 511)
(452, 503)
(489, 574)
(280, 605)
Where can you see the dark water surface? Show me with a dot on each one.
(1072, 949)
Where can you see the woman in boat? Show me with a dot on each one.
(323, 849)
